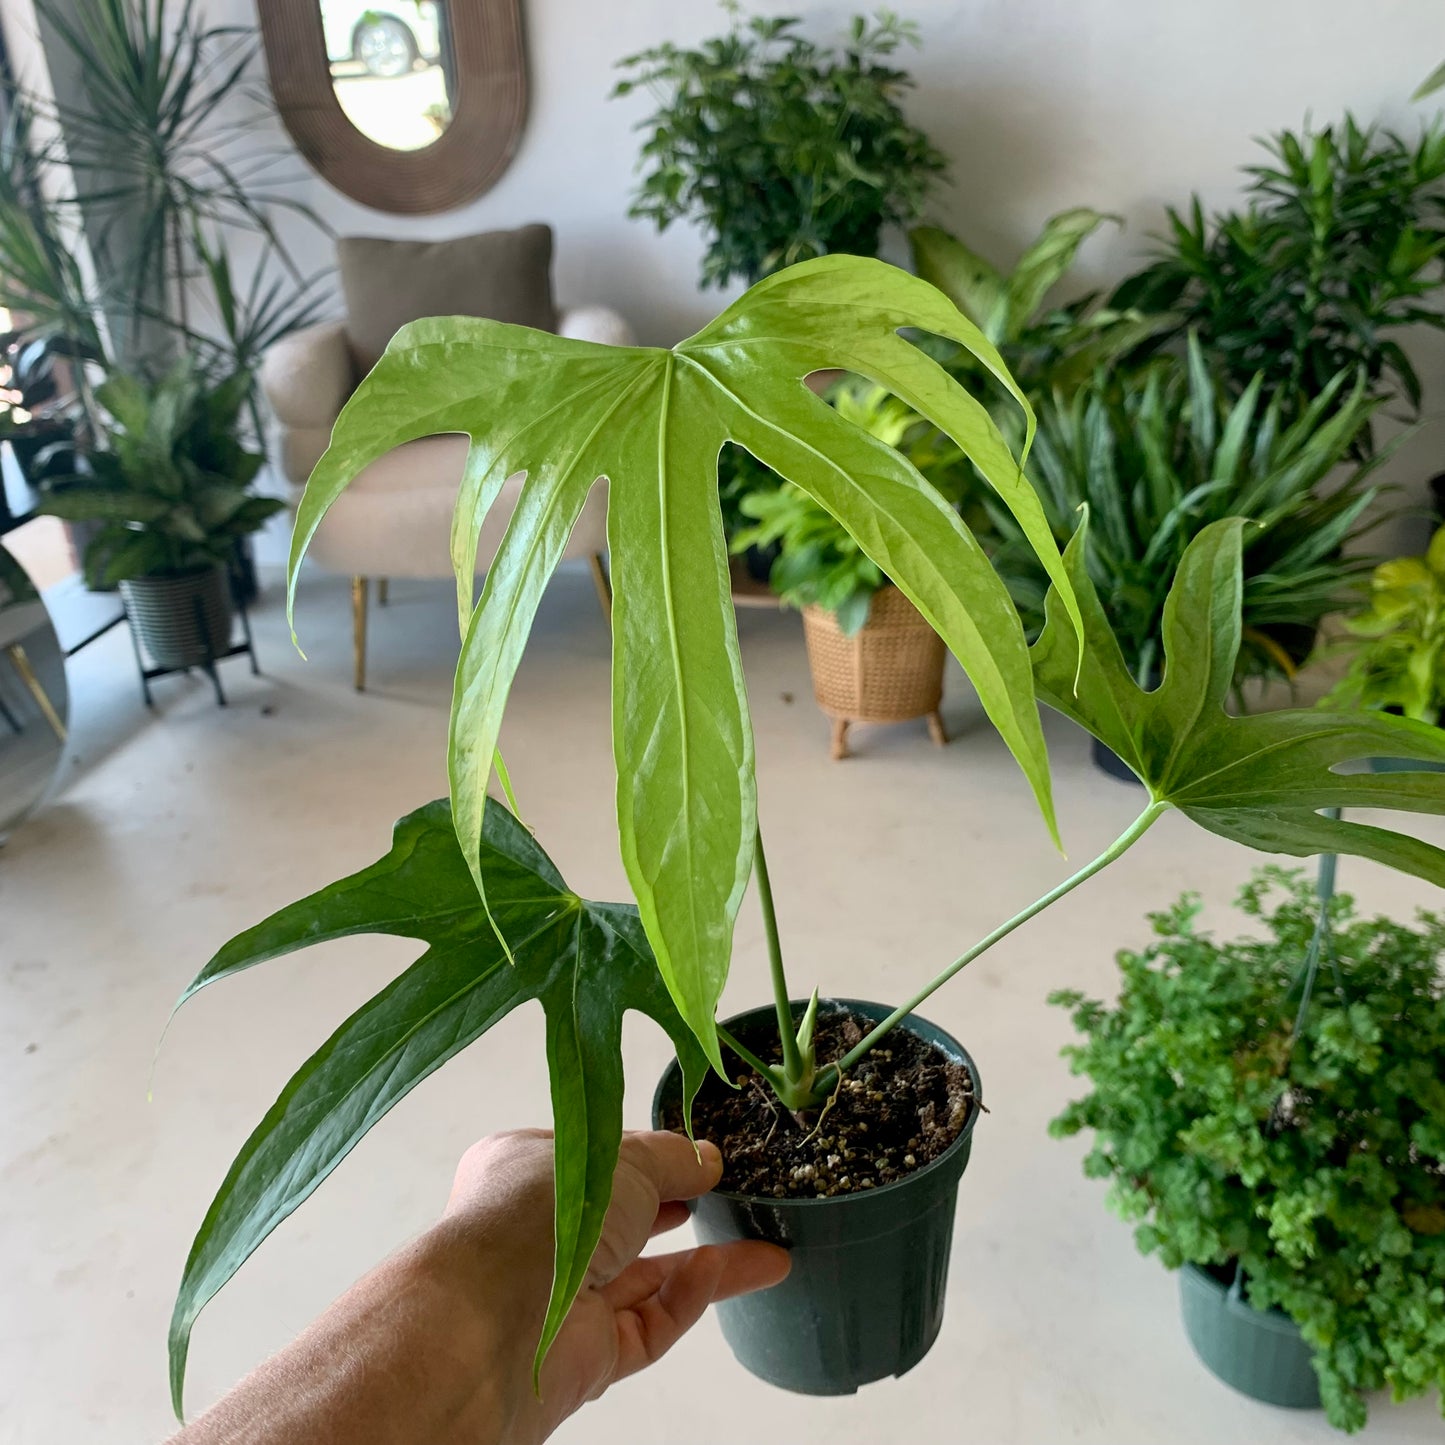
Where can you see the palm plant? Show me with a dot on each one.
(1154, 457)
(158, 161)
(1339, 247)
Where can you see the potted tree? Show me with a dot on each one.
(780, 148)
(501, 926)
(170, 497)
(1270, 1113)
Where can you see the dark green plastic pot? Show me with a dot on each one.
(1259, 1352)
(864, 1297)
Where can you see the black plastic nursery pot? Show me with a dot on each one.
(182, 618)
(864, 1297)
(1260, 1353)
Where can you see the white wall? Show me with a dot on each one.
(1121, 104)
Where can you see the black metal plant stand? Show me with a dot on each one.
(246, 647)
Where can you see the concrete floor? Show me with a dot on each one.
(174, 831)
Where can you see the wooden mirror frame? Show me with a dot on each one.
(488, 109)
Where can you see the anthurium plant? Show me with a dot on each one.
(462, 877)
(1248, 1121)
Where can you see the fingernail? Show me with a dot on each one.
(710, 1155)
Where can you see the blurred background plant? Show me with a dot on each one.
(810, 555)
(1397, 657)
(1155, 455)
(1336, 250)
(779, 148)
(170, 490)
(115, 204)
(1047, 348)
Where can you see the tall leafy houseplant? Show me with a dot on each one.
(780, 148)
(1047, 347)
(463, 876)
(1157, 455)
(1338, 248)
(1248, 1123)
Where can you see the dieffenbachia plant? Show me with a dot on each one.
(465, 878)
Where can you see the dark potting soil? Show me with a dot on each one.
(898, 1108)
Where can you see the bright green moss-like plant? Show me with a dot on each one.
(1245, 1118)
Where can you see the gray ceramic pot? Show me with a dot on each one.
(864, 1297)
(181, 618)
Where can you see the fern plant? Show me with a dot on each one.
(1246, 1120)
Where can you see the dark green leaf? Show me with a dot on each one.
(585, 963)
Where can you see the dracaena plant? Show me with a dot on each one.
(500, 926)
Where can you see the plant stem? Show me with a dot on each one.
(792, 1059)
(768, 1071)
(827, 1079)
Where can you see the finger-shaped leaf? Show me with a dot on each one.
(653, 422)
(686, 802)
(1265, 780)
(586, 963)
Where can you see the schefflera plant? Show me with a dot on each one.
(467, 879)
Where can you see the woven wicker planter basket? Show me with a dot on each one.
(890, 670)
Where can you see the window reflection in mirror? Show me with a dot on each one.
(391, 68)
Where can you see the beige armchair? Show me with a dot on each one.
(394, 520)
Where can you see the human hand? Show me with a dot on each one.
(630, 1310)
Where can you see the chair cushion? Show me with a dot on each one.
(502, 275)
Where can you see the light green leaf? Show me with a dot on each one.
(1046, 261)
(971, 283)
(586, 963)
(653, 422)
(1431, 83)
(1262, 780)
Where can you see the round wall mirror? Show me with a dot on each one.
(404, 105)
(34, 702)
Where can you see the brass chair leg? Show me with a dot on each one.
(359, 588)
(602, 582)
(383, 591)
(20, 661)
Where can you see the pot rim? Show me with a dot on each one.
(1274, 1319)
(172, 574)
(965, 1134)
